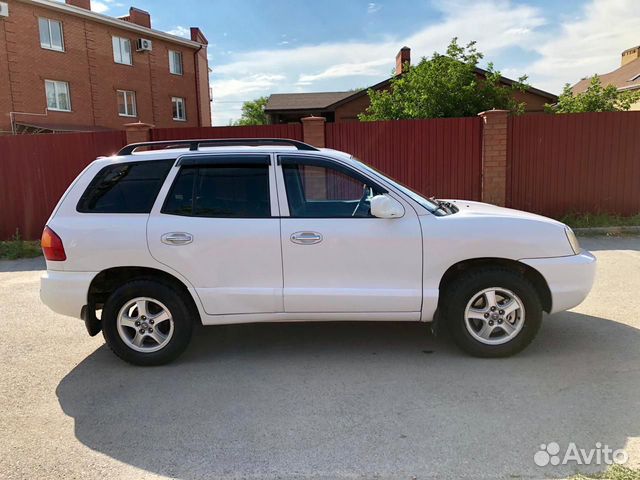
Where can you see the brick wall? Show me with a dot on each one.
(350, 110)
(5, 86)
(87, 65)
(494, 156)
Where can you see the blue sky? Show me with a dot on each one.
(258, 47)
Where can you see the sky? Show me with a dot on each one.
(260, 47)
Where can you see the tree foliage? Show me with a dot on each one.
(253, 113)
(444, 86)
(595, 98)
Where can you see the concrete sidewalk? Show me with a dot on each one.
(333, 400)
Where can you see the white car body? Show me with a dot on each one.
(250, 270)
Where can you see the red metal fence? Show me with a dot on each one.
(556, 164)
(35, 170)
(440, 157)
(292, 131)
(582, 163)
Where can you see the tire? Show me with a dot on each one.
(485, 331)
(132, 308)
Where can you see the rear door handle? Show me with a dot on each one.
(177, 238)
(306, 238)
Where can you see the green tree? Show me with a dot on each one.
(253, 113)
(595, 98)
(444, 86)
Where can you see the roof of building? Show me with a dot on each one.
(304, 101)
(324, 100)
(98, 17)
(626, 77)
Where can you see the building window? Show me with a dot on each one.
(51, 34)
(175, 62)
(58, 95)
(179, 112)
(126, 103)
(122, 50)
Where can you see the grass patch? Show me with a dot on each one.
(616, 472)
(588, 220)
(19, 248)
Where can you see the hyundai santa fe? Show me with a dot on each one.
(164, 235)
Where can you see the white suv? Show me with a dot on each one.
(165, 234)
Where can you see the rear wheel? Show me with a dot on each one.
(146, 323)
(492, 312)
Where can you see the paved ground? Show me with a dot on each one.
(318, 400)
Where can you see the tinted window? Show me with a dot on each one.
(322, 191)
(125, 187)
(221, 191)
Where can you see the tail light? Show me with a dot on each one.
(52, 246)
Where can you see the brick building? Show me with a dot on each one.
(345, 106)
(66, 68)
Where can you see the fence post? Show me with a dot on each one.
(138, 132)
(313, 131)
(494, 156)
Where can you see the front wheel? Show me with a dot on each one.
(492, 312)
(146, 323)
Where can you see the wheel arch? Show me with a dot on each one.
(105, 282)
(530, 273)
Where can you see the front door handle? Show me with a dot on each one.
(177, 238)
(306, 238)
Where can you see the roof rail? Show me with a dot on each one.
(194, 145)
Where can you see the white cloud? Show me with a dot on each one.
(373, 8)
(99, 7)
(241, 87)
(372, 68)
(180, 31)
(591, 43)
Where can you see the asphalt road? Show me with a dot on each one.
(351, 400)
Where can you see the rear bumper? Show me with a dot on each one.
(65, 292)
(569, 278)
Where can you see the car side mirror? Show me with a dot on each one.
(384, 206)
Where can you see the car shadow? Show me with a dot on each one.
(350, 399)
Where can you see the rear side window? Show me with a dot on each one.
(125, 187)
(227, 191)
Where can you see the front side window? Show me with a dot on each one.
(125, 188)
(57, 95)
(51, 34)
(179, 112)
(221, 191)
(175, 62)
(126, 103)
(321, 191)
(122, 50)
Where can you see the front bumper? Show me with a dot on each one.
(569, 278)
(65, 292)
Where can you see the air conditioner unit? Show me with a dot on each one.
(4, 9)
(144, 45)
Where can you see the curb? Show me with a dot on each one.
(607, 230)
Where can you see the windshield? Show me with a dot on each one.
(430, 205)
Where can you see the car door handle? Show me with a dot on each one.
(306, 238)
(177, 238)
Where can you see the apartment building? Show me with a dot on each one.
(64, 67)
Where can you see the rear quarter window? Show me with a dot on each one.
(125, 187)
